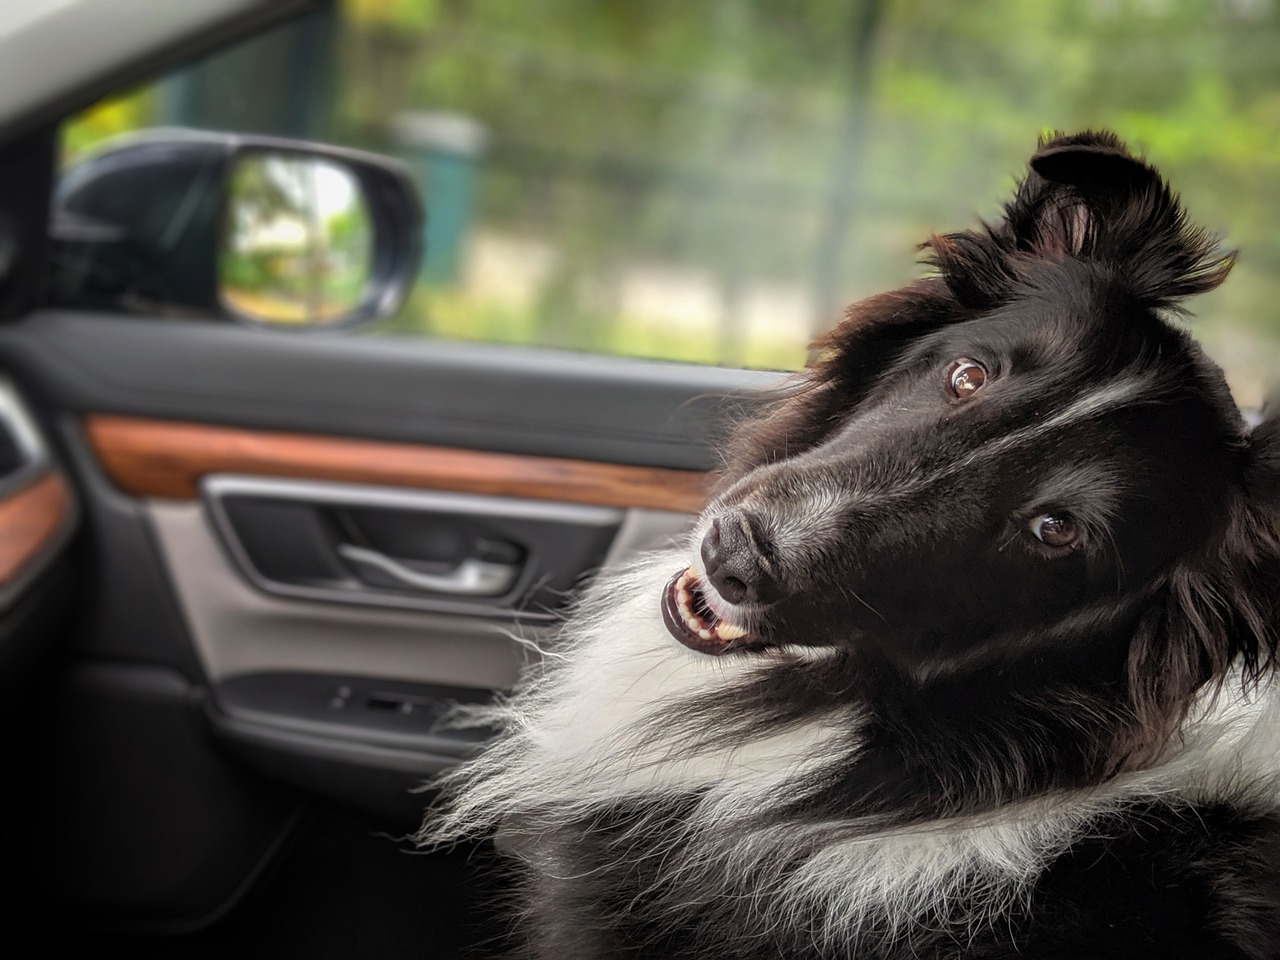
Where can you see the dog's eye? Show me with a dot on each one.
(965, 378)
(1055, 531)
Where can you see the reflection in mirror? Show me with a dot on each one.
(298, 245)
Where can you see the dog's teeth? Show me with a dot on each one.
(728, 631)
(714, 629)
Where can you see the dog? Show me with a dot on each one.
(970, 654)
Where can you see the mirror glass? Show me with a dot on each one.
(298, 243)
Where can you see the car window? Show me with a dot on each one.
(710, 181)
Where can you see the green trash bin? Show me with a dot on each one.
(444, 151)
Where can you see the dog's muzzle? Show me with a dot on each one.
(734, 560)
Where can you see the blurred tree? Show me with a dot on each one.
(702, 132)
(699, 137)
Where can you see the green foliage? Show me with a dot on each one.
(106, 119)
(704, 132)
(705, 136)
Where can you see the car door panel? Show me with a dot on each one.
(365, 545)
(191, 669)
(39, 511)
(168, 459)
(145, 826)
(239, 629)
(473, 396)
(130, 818)
(346, 647)
(189, 730)
(29, 520)
(32, 622)
(129, 613)
(36, 522)
(340, 699)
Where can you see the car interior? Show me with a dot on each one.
(251, 554)
(247, 569)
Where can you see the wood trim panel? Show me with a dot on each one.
(29, 519)
(151, 458)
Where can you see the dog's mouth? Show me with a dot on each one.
(692, 621)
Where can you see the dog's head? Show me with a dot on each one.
(1019, 467)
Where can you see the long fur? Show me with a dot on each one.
(908, 757)
(598, 723)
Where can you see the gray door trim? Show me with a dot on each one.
(237, 629)
(414, 390)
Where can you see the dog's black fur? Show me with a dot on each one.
(874, 533)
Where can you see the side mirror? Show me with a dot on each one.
(258, 229)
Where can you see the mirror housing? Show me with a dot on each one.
(189, 223)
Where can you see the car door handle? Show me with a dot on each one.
(471, 578)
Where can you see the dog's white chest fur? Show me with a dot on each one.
(582, 736)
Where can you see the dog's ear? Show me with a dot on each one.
(1093, 160)
(1086, 197)
(1078, 187)
(1095, 200)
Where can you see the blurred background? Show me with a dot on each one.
(711, 180)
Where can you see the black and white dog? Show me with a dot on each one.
(971, 653)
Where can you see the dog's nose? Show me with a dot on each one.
(732, 557)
